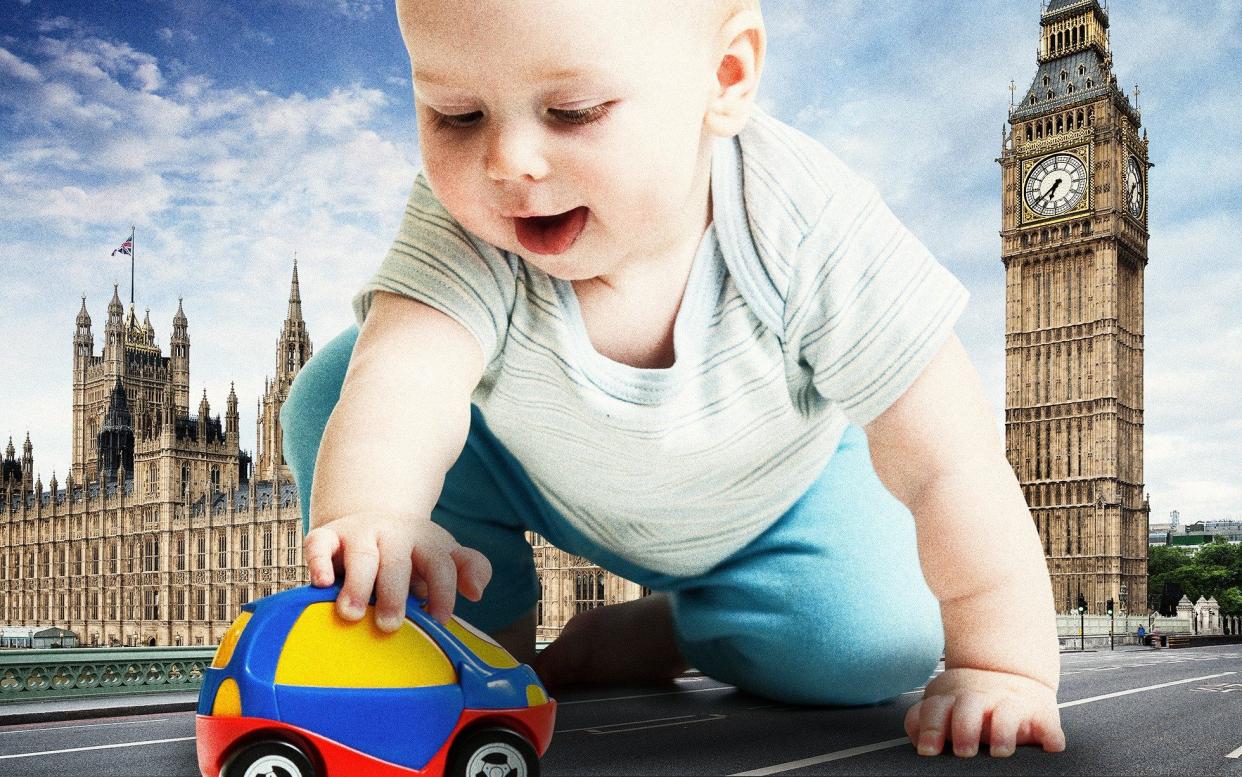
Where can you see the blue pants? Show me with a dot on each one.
(827, 606)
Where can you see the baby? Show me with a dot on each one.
(631, 312)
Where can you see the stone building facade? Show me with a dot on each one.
(159, 532)
(1074, 246)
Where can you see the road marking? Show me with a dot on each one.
(1235, 754)
(97, 747)
(560, 703)
(84, 725)
(819, 759)
(1076, 702)
(629, 726)
(861, 749)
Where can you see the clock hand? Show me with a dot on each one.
(1051, 191)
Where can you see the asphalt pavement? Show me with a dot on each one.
(1133, 711)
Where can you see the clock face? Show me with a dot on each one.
(1056, 185)
(1134, 187)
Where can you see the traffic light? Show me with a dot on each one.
(1082, 604)
(1110, 606)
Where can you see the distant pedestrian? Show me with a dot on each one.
(1141, 634)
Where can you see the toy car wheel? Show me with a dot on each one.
(493, 752)
(268, 759)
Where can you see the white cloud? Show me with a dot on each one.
(16, 67)
(224, 185)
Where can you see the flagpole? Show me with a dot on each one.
(133, 250)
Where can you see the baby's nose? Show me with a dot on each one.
(513, 154)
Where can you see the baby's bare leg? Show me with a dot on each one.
(519, 637)
(627, 642)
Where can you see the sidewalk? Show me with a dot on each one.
(96, 707)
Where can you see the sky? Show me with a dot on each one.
(235, 133)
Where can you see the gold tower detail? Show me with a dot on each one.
(1074, 246)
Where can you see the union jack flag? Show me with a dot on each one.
(126, 248)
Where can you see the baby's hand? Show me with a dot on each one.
(396, 554)
(973, 706)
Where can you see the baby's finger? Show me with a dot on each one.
(361, 564)
(1003, 728)
(440, 573)
(934, 722)
(911, 722)
(967, 723)
(1046, 729)
(474, 571)
(318, 549)
(392, 587)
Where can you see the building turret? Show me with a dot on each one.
(204, 409)
(114, 334)
(231, 418)
(83, 340)
(148, 329)
(294, 346)
(10, 468)
(179, 360)
(27, 463)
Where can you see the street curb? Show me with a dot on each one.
(18, 713)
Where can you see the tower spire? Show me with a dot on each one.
(295, 294)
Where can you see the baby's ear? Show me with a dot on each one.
(742, 43)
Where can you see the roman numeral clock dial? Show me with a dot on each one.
(1056, 185)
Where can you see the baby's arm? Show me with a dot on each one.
(937, 450)
(400, 424)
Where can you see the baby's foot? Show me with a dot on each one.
(627, 642)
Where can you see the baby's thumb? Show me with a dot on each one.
(474, 572)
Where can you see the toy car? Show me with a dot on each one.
(296, 691)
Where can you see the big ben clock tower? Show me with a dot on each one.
(1074, 245)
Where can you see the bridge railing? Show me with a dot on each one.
(40, 675)
(44, 675)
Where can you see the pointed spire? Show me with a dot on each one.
(27, 448)
(180, 317)
(9, 452)
(84, 318)
(115, 309)
(295, 294)
(146, 324)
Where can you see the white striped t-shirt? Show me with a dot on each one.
(808, 307)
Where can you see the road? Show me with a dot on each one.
(1134, 711)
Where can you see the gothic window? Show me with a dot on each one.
(95, 560)
(291, 547)
(1060, 123)
(1028, 132)
(222, 604)
(267, 546)
(1032, 99)
(185, 481)
(151, 477)
(588, 591)
(200, 604)
(150, 605)
(1047, 80)
(1049, 94)
(244, 550)
(215, 476)
(178, 612)
(1082, 70)
(1064, 76)
(1069, 89)
(201, 553)
(222, 550)
(181, 554)
(151, 553)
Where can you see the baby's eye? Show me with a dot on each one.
(581, 115)
(457, 120)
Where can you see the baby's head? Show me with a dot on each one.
(601, 113)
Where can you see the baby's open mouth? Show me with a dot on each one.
(551, 234)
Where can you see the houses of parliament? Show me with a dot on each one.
(164, 526)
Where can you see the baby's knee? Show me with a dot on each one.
(846, 662)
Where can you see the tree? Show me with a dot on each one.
(1215, 571)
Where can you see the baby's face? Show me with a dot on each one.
(569, 132)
